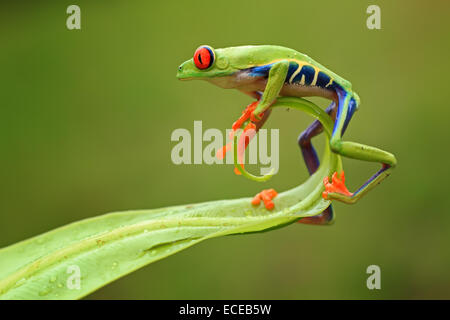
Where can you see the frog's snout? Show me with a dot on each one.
(180, 72)
(187, 71)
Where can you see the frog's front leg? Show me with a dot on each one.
(336, 190)
(275, 81)
(267, 195)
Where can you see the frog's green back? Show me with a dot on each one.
(243, 57)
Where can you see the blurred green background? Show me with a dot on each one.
(87, 115)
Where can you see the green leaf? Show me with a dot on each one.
(107, 247)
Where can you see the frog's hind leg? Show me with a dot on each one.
(336, 190)
(304, 141)
(312, 163)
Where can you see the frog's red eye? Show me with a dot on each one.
(204, 57)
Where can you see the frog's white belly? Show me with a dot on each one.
(244, 82)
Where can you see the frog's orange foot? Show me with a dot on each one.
(266, 196)
(248, 134)
(246, 115)
(337, 185)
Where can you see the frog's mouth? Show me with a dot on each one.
(182, 75)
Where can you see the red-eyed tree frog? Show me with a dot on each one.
(266, 72)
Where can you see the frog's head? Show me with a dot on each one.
(207, 63)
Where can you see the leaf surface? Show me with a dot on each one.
(109, 246)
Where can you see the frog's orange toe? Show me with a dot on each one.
(266, 196)
(337, 185)
(256, 200)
